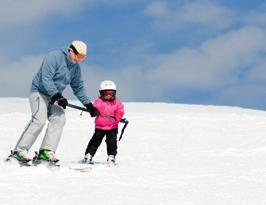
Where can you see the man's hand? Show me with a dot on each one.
(92, 110)
(61, 101)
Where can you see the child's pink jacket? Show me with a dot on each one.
(111, 112)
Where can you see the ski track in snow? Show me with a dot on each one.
(170, 154)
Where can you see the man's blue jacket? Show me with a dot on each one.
(56, 72)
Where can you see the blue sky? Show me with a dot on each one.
(199, 52)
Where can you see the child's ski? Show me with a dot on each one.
(84, 169)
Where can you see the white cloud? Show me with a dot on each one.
(257, 73)
(246, 95)
(215, 64)
(256, 18)
(18, 13)
(157, 9)
(204, 13)
(15, 78)
(131, 82)
(208, 14)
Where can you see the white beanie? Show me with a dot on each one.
(79, 47)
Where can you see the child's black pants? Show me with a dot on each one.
(96, 140)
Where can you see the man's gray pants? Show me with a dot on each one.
(41, 112)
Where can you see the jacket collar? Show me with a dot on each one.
(68, 60)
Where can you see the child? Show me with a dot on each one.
(111, 111)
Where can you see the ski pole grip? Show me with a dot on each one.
(124, 120)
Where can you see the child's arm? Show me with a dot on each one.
(96, 104)
(95, 108)
(119, 112)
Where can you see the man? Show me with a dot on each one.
(59, 69)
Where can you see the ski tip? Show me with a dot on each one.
(83, 169)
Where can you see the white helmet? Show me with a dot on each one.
(107, 85)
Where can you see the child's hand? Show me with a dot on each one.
(92, 110)
(124, 120)
(118, 116)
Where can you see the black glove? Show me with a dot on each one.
(61, 101)
(92, 110)
(124, 120)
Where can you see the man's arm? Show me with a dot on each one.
(77, 86)
(47, 73)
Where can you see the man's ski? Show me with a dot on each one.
(12, 158)
(35, 162)
(48, 164)
(54, 165)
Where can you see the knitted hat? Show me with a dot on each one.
(79, 47)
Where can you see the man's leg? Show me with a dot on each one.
(55, 128)
(38, 104)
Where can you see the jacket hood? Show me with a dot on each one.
(65, 51)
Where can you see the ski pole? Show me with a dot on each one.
(77, 107)
(124, 120)
(84, 109)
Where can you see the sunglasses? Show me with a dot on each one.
(80, 57)
(108, 92)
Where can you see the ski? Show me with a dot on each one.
(12, 158)
(48, 164)
(84, 169)
(77, 167)
(21, 164)
(55, 166)
(52, 165)
(95, 163)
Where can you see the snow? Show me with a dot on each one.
(170, 154)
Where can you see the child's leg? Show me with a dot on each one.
(95, 142)
(111, 142)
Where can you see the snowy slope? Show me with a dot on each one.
(170, 154)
